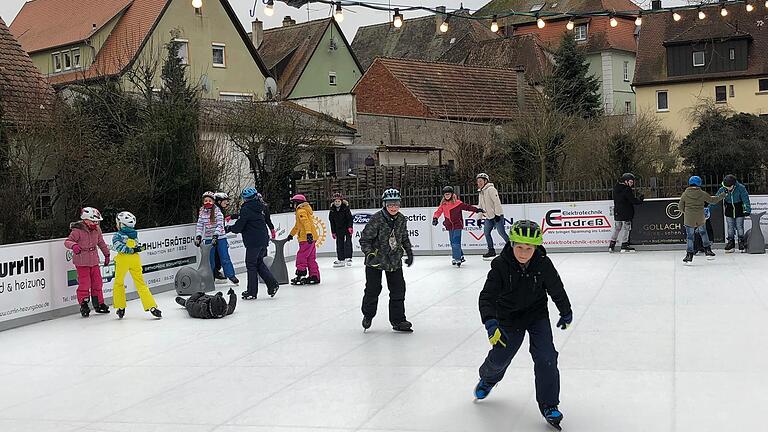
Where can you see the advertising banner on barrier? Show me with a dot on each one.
(25, 280)
(419, 226)
(759, 204)
(659, 221)
(473, 237)
(574, 224)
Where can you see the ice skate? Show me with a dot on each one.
(181, 302)
(299, 276)
(553, 416)
(626, 248)
(311, 280)
(99, 307)
(742, 245)
(403, 326)
(245, 296)
(156, 312)
(85, 311)
(120, 313)
(688, 260)
(339, 263)
(349, 262)
(612, 247)
(367, 323)
(491, 254)
(483, 389)
(271, 291)
(708, 252)
(234, 280)
(730, 246)
(219, 277)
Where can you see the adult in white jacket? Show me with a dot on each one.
(494, 213)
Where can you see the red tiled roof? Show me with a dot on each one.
(44, 24)
(600, 35)
(457, 91)
(24, 93)
(660, 28)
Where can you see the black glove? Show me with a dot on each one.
(434, 221)
(227, 229)
(215, 240)
(409, 260)
(230, 292)
(234, 216)
(289, 238)
(198, 240)
(565, 320)
(497, 219)
(138, 249)
(641, 197)
(479, 210)
(746, 214)
(310, 239)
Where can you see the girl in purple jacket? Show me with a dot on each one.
(85, 240)
(210, 229)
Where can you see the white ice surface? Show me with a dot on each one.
(655, 346)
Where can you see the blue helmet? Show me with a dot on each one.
(694, 181)
(249, 193)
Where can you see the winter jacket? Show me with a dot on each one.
(305, 223)
(90, 241)
(251, 225)
(125, 240)
(205, 228)
(624, 202)
(197, 305)
(517, 295)
(384, 240)
(341, 218)
(692, 204)
(488, 200)
(451, 210)
(736, 201)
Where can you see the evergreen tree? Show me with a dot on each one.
(570, 89)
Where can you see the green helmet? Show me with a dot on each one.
(525, 231)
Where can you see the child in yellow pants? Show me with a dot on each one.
(125, 243)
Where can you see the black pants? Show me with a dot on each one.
(343, 245)
(544, 356)
(254, 264)
(396, 286)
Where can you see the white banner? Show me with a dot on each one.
(25, 280)
(473, 237)
(759, 204)
(575, 224)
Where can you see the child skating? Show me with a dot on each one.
(126, 243)
(624, 202)
(85, 241)
(736, 208)
(691, 205)
(305, 232)
(221, 199)
(384, 241)
(210, 230)
(513, 302)
(340, 217)
(493, 217)
(451, 208)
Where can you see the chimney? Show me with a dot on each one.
(521, 84)
(257, 32)
(288, 21)
(439, 18)
(655, 4)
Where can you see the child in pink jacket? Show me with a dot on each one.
(451, 208)
(85, 240)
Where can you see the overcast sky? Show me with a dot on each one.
(353, 17)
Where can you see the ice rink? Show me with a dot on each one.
(655, 346)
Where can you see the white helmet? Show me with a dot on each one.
(483, 176)
(126, 219)
(91, 214)
(220, 196)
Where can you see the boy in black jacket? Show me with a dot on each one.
(341, 229)
(204, 306)
(624, 202)
(514, 301)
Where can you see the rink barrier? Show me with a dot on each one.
(38, 280)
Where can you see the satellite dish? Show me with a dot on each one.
(270, 88)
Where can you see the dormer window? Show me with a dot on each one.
(56, 59)
(580, 33)
(698, 58)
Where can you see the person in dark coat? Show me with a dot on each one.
(340, 217)
(514, 301)
(624, 202)
(204, 306)
(253, 228)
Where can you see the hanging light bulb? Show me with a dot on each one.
(444, 26)
(702, 15)
(750, 8)
(339, 14)
(676, 16)
(197, 4)
(540, 23)
(269, 9)
(494, 24)
(397, 19)
(639, 20)
(613, 22)
(723, 11)
(570, 25)
(766, 4)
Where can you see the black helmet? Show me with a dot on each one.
(729, 180)
(217, 306)
(627, 176)
(448, 189)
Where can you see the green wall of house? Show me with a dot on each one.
(315, 79)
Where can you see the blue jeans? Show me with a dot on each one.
(222, 251)
(690, 232)
(735, 227)
(455, 236)
(544, 360)
(489, 225)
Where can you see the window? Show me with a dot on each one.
(662, 103)
(720, 95)
(332, 78)
(237, 97)
(580, 32)
(731, 91)
(76, 58)
(698, 58)
(183, 50)
(626, 71)
(44, 202)
(56, 62)
(67, 60)
(628, 106)
(762, 85)
(732, 54)
(219, 57)
(537, 7)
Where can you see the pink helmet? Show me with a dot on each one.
(299, 198)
